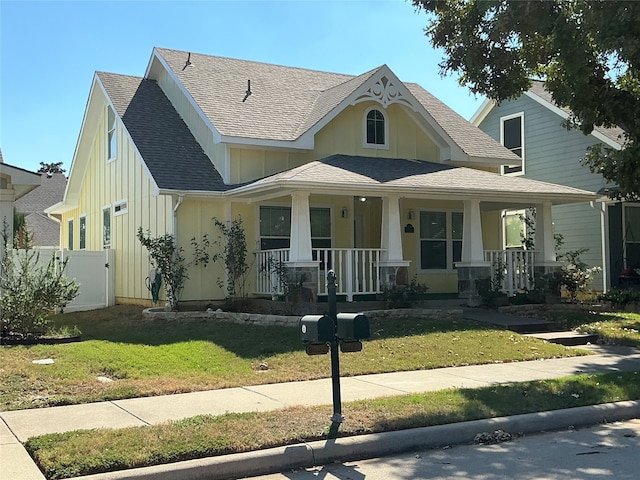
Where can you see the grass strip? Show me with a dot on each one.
(85, 452)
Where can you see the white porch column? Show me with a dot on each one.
(300, 250)
(545, 244)
(472, 246)
(391, 240)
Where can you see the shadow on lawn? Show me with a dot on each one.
(125, 324)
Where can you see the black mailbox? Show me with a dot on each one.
(317, 329)
(353, 326)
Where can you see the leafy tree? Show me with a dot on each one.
(232, 243)
(50, 168)
(587, 52)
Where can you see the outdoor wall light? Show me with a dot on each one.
(344, 213)
(410, 214)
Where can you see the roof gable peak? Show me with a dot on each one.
(385, 88)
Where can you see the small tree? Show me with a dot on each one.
(51, 168)
(30, 290)
(233, 245)
(168, 259)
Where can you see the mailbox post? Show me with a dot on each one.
(333, 332)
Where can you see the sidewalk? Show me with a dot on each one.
(18, 426)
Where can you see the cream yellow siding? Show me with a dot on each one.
(345, 134)
(105, 184)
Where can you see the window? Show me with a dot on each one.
(440, 240)
(375, 129)
(275, 227)
(632, 236)
(83, 232)
(106, 227)
(111, 134)
(514, 229)
(120, 208)
(70, 233)
(512, 137)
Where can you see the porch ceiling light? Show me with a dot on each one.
(363, 199)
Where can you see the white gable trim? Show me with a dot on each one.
(482, 112)
(217, 136)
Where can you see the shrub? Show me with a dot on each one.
(30, 290)
(621, 297)
(575, 276)
(404, 296)
(168, 259)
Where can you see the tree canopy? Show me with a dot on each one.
(50, 168)
(587, 53)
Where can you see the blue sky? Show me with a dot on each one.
(49, 51)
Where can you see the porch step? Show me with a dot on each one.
(569, 339)
(510, 322)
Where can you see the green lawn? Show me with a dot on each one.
(144, 357)
(619, 328)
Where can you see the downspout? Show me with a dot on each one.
(175, 218)
(604, 230)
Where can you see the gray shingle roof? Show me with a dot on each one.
(357, 171)
(50, 192)
(616, 134)
(287, 101)
(470, 139)
(172, 155)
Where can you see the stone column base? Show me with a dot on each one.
(467, 288)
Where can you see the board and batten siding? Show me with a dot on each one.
(105, 184)
(553, 154)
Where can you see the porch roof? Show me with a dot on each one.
(361, 175)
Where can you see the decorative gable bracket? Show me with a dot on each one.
(385, 92)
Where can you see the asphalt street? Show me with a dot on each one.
(601, 452)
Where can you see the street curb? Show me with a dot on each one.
(360, 447)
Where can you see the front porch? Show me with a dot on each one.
(360, 271)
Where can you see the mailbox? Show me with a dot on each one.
(353, 326)
(317, 329)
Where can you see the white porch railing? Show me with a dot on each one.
(357, 270)
(512, 269)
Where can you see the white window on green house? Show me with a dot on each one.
(515, 229)
(632, 235)
(275, 227)
(440, 240)
(111, 134)
(82, 237)
(106, 227)
(512, 137)
(70, 234)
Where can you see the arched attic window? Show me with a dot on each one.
(376, 129)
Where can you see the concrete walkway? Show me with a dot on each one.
(17, 426)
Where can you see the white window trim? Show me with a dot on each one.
(123, 204)
(104, 245)
(379, 146)
(70, 234)
(111, 158)
(83, 215)
(285, 205)
(503, 221)
(502, 120)
(449, 240)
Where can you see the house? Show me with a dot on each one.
(45, 231)
(366, 175)
(532, 127)
(15, 182)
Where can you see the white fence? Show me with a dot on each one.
(94, 272)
